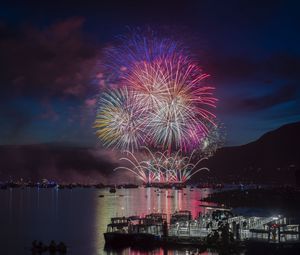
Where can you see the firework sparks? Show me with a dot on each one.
(119, 122)
(213, 140)
(172, 92)
(160, 168)
(138, 47)
(160, 101)
(173, 101)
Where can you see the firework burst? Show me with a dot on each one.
(160, 101)
(137, 47)
(172, 92)
(214, 139)
(161, 167)
(119, 121)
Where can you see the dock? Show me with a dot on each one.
(217, 226)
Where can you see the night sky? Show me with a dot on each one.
(50, 53)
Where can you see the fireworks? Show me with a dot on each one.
(160, 101)
(138, 47)
(161, 168)
(172, 93)
(119, 121)
(212, 141)
(167, 103)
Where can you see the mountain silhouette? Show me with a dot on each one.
(273, 158)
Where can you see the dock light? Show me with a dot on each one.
(274, 218)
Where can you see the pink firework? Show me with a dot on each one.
(171, 107)
(171, 90)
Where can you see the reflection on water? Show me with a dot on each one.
(79, 216)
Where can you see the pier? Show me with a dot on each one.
(207, 229)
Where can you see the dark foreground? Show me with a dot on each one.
(79, 217)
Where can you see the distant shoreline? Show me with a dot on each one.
(282, 198)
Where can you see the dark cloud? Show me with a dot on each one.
(14, 122)
(49, 113)
(285, 65)
(231, 68)
(284, 94)
(43, 71)
(54, 60)
(55, 161)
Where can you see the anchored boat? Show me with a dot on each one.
(135, 230)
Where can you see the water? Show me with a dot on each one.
(79, 216)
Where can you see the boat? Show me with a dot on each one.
(183, 230)
(133, 230)
(112, 190)
(182, 215)
(156, 218)
(130, 186)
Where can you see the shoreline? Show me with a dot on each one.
(284, 199)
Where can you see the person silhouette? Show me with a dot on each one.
(62, 248)
(52, 247)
